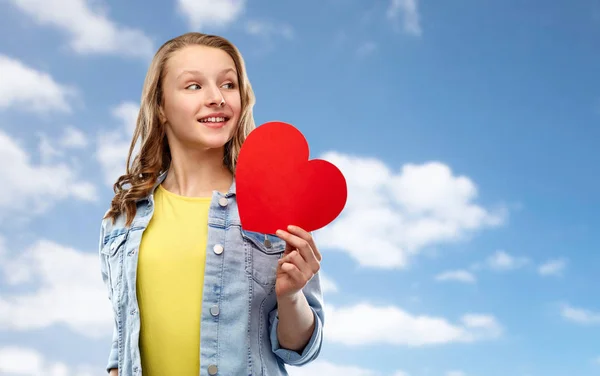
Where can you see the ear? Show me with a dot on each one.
(161, 115)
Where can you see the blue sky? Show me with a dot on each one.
(467, 131)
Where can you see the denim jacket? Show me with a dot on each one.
(239, 306)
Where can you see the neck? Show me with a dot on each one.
(197, 173)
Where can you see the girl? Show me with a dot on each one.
(192, 292)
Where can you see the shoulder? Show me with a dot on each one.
(108, 224)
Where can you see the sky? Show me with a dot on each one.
(467, 131)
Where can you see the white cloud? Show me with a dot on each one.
(455, 373)
(579, 315)
(69, 290)
(327, 284)
(323, 367)
(201, 14)
(73, 138)
(408, 9)
(502, 261)
(48, 151)
(354, 325)
(29, 188)
(552, 267)
(90, 29)
(390, 217)
(21, 361)
(112, 146)
(268, 29)
(456, 275)
(28, 89)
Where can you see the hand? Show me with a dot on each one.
(300, 262)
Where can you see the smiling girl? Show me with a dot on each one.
(192, 292)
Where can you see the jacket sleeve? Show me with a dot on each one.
(314, 296)
(113, 355)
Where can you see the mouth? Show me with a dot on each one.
(214, 121)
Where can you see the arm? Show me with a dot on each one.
(296, 325)
(296, 322)
(113, 355)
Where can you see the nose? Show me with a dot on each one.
(214, 97)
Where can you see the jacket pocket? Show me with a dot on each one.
(263, 252)
(111, 251)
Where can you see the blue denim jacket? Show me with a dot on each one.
(239, 307)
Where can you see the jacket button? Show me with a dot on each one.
(212, 370)
(223, 201)
(218, 249)
(214, 310)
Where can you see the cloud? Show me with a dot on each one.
(327, 284)
(73, 138)
(354, 325)
(456, 275)
(323, 367)
(268, 29)
(21, 361)
(90, 30)
(69, 290)
(201, 14)
(552, 267)
(579, 315)
(31, 189)
(390, 217)
(51, 149)
(112, 146)
(455, 373)
(27, 89)
(408, 9)
(502, 261)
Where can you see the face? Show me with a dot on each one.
(201, 98)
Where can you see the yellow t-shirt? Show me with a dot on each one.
(170, 277)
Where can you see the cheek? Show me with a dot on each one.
(179, 108)
(236, 104)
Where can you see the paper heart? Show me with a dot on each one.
(277, 186)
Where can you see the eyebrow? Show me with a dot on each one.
(197, 72)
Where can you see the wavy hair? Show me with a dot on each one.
(154, 156)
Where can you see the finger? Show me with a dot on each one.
(293, 271)
(296, 259)
(303, 246)
(301, 233)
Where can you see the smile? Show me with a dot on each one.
(213, 120)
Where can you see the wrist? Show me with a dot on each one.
(291, 299)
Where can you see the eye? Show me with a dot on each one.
(230, 85)
(192, 87)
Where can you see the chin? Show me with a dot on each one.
(211, 142)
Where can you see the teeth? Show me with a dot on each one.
(213, 120)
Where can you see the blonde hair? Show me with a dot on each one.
(154, 156)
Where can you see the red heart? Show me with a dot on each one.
(277, 186)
